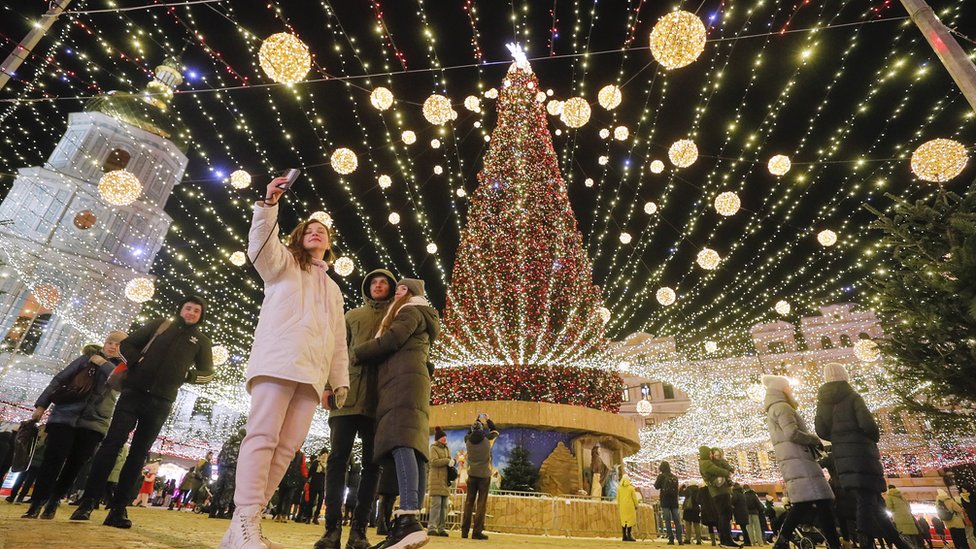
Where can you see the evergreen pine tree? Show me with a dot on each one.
(520, 475)
(926, 295)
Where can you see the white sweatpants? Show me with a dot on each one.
(281, 414)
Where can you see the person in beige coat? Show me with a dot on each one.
(438, 487)
(956, 524)
(299, 346)
(901, 514)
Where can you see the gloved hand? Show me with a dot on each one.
(340, 396)
(451, 463)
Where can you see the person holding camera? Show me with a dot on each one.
(74, 428)
(479, 441)
(399, 353)
(299, 347)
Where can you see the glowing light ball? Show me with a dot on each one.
(576, 112)
(239, 179)
(711, 346)
(620, 133)
(609, 97)
(683, 153)
(588, 181)
(394, 218)
(437, 109)
(782, 307)
(461, 193)
(866, 350)
(85, 220)
(472, 103)
(677, 39)
(650, 208)
(708, 259)
(604, 314)
(491, 93)
(381, 98)
(238, 259)
(644, 407)
(48, 295)
(554, 107)
(140, 290)
(344, 161)
(624, 366)
(625, 238)
(939, 160)
(657, 166)
(284, 58)
(344, 266)
(119, 187)
(408, 137)
(827, 238)
(322, 218)
(384, 181)
(540, 97)
(756, 392)
(438, 170)
(220, 354)
(779, 164)
(603, 160)
(604, 133)
(666, 296)
(727, 203)
(432, 248)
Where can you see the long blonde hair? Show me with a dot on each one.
(395, 307)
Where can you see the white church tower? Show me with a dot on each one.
(67, 253)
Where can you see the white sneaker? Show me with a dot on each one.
(244, 531)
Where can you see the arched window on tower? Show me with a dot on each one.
(825, 343)
(845, 340)
(863, 335)
(118, 159)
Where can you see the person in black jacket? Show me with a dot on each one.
(844, 420)
(740, 513)
(154, 377)
(667, 483)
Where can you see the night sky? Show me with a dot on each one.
(866, 89)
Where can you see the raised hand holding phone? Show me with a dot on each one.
(274, 190)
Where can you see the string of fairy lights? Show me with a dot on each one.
(660, 259)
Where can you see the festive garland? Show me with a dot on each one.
(589, 387)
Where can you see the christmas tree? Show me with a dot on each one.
(927, 298)
(520, 475)
(521, 290)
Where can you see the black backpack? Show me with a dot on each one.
(670, 487)
(452, 474)
(78, 387)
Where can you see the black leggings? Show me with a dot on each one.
(800, 512)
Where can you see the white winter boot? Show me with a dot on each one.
(244, 531)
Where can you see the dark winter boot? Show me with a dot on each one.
(630, 534)
(406, 533)
(84, 510)
(51, 508)
(357, 537)
(118, 518)
(332, 539)
(33, 510)
(623, 529)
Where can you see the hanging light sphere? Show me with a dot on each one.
(657, 166)
(939, 160)
(239, 179)
(779, 164)
(409, 137)
(284, 58)
(554, 107)
(238, 259)
(604, 314)
(650, 208)
(604, 133)
(48, 295)
(119, 187)
(603, 160)
(609, 97)
(683, 153)
(588, 181)
(576, 112)
(708, 259)
(827, 238)
(727, 203)
(437, 109)
(620, 133)
(461, 193)
(438, 169)
(625, 238)
(432, 248)
(85, 220)
(491, 93)
(381, 98)
(394, 218)
(644, 407)
(322, 218)
(220, 354)
(677, 39)
(782, 307)
(711, 346)
(866, 350)
(756, 392)
(344, 161)
(472, 103)
(140, 290)
(344, 266)
(540, 97)
(666, 296)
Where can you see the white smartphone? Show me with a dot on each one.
(291, 174)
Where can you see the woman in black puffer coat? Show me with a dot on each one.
(844, 420)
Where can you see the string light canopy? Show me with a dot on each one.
(140, 290)
(939, 160)
(48, 295)
(683, 153)
(119, 187)
(677, 39)
(866, 350)
(285, 58)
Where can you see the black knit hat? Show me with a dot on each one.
(439, 433)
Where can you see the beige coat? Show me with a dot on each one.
(440, 458)
(301, 332)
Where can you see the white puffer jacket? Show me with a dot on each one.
(301, 332)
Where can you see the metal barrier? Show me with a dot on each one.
(547, 515)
